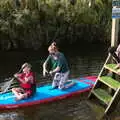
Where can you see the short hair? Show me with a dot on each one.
(26, 65)
(53, 47)
(53, 44)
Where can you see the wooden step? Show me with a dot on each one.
(102, 95)
(112, 83)
(111, 67)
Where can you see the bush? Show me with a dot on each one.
(35, 23)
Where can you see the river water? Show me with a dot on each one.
(82, 63)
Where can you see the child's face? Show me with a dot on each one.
(51, 51)
(26, 70)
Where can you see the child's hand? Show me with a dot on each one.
(51, 72)
(16, 75)
(28, 79)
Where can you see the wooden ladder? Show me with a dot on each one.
(107, 87)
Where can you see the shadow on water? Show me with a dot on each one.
(81, 62)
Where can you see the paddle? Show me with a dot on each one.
(6, 86)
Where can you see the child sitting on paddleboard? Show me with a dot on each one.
(27, 83)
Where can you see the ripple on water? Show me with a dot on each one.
(11, 116)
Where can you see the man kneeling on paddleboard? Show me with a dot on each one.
(59, 67)
(27, 83)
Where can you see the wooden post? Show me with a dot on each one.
(115, 30)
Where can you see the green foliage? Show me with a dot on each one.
(39, 22)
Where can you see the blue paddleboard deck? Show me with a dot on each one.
(44, 94)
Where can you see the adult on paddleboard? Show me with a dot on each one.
(27, 83)
(59, 67)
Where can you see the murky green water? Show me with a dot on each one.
(81, 64)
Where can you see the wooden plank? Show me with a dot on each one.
(102, 95)
(112, 83)
(111, 67)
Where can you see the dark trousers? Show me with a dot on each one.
(112, 50)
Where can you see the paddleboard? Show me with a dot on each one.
(44, 94)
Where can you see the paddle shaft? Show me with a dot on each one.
(10, 82)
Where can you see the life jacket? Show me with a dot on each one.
(30, 85)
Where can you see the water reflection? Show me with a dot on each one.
(84, 66)
(11, 116)
(69, 109)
